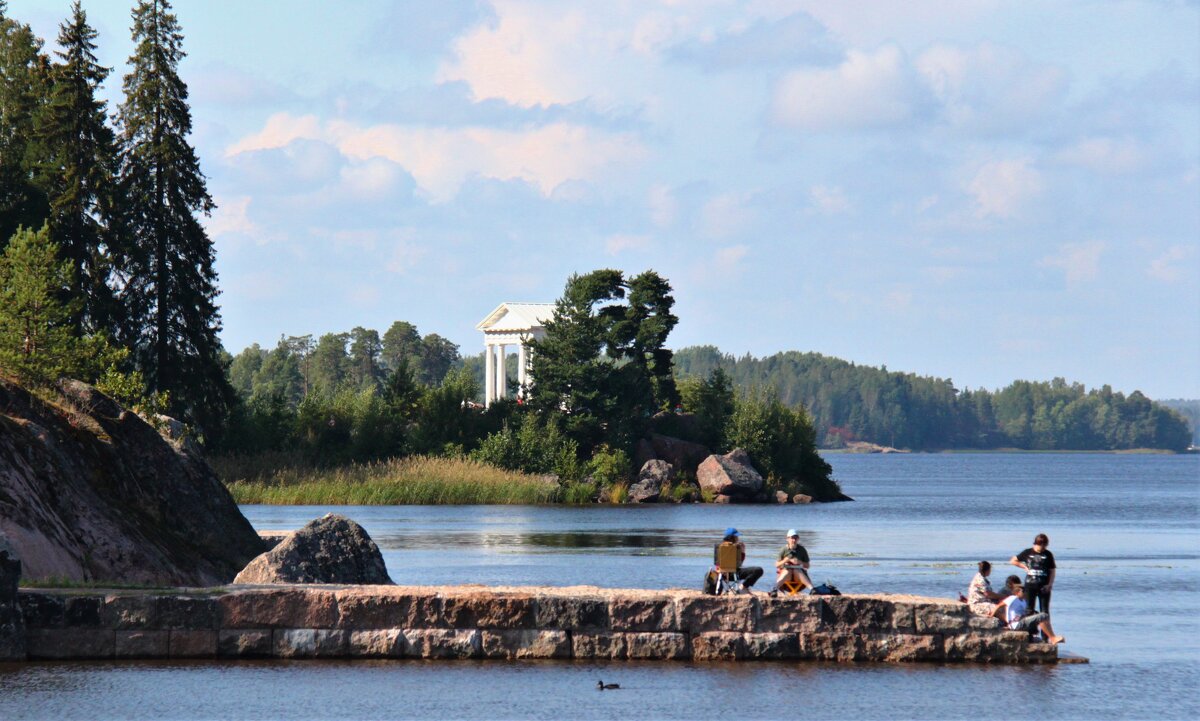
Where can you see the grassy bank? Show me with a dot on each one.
(281, 480)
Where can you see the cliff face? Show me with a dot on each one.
(91, 492)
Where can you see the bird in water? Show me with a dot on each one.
(601, 686)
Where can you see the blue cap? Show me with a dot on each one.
(731, 531)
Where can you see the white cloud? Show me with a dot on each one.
(1079, 262)
(868, 90)
(1002, 187)
(990, 88)
(663, 206)
(231, 218)
(1106, 155)
(727, 259)
(1170, 266)
(829, 200)
(725, 215)
(442, 159)
(617, 244)
(405, 255)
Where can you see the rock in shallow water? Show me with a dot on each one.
(331, 549)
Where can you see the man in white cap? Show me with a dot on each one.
(792, 563)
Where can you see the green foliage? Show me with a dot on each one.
(37, 340)
(24, 79)
(609, 466)
(781, 443)
(711, 401)
(293, 480)
(171, 320)
(76, 166)
(524, 444)
(579, 493)
(850, 402)
(129, 389)
(601, 371)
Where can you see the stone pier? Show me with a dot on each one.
(474, 622)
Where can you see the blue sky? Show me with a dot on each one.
(970, 189)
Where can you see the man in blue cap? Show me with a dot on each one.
(792, 563)
(746, 574)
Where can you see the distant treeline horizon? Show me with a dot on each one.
(850, 402)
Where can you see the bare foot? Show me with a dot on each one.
(1058, 639)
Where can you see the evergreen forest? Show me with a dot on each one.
(850, 402)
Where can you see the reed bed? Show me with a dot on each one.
(412, 480)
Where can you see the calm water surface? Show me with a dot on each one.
(1124, 529)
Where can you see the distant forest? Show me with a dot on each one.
(850, 402)
(1189, 410)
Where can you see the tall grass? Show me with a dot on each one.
(284, 480)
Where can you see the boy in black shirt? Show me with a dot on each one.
(1039, 566)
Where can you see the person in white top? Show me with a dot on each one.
(1012, 611)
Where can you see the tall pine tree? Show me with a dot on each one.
(77, 168)
(23, 76)
(167, 280)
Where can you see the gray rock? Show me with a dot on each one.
(642, 452)
(802, 498)
(651, 480)
(781, 497)
(95, 493)
(12, 624)
(730, 475)
(331, 549)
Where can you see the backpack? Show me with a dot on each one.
(825, 589)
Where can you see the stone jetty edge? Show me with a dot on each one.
(474, 622)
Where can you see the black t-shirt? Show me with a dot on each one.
(1039, 564)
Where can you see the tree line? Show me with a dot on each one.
(602, 380)
(106, 273)
(850, 402)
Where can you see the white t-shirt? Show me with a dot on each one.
(1014, 611)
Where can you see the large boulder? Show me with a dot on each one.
(653, 477)
(12, 624)
(331, 549)
(683, 455)
(92, 492)
(730, 475)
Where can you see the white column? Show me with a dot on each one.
(489, 374)
(522, 369)
(502, 369)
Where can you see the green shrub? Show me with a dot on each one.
(782, 443)
(618, 492)
(579, 493)
(523, 444)
(609, 466)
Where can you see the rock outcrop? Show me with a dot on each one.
(651, 480)
(731, 475)
(89, 491)
(681, 454)
(331, 549)
(12, 624)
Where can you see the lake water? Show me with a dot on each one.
(1124, 529)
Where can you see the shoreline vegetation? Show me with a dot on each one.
(274, 479)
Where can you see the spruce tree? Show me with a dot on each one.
(23, 74)
(78, 168)
(36, 339)
(167, 279)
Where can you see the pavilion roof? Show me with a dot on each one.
(517, 317)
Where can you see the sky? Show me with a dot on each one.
(976, 190)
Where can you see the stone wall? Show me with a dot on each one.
(507, 623)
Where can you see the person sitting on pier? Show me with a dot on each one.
(792, 566)
(1013, 612)
(980, 597)
(747, 575)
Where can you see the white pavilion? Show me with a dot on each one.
(510, 324)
